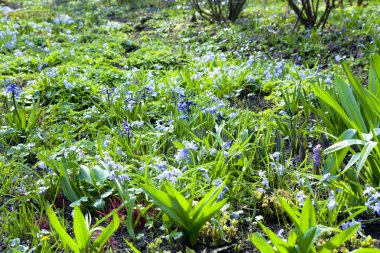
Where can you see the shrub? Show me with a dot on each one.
(218, 10)
(308, 14)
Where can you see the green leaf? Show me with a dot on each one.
(86, 174)
(67, 187)
(337, 240)
(292, 238)
(167, 204)
(364, 155)
(80, 229)
(308, 219)
(135, 250)
(201, 219)
(292, 213)
(276, 241)
(185, 205)
(366, 250)
(261, 244)
(350, 104)
(326, 98)
(66, 239)
(107, 232)
(208, 199)
(178, 145)
(98, 174)
(307, 241)
(343, 144)
(375, 64)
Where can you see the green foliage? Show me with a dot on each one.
(356, 107)
(83, 232)
(305, 233)
(180, 210)
(23, 118)
(351, 105)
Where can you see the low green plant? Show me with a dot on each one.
(69, 183)
(180, 209)
(305, 233)
(352, 112)
(344, 106)
(82, 231)
(19, 117)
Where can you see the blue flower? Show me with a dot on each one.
(265, 183)
(204, 173)
(12, 88)
(183, 154)
(127, 129)
(227, 145)
(301, 197)
(112, 175)
(123, 177)
(326, 176)
(184, 106)
(225, 189)
(171, 175)
(67, 84)
(332, 203)
(51, 72)
(161, 165)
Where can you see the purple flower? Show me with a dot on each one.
(161, 165)
(227, 145)
(112, 175)
(204, 173)
(183, 154)
(281, 233)
(301, 197)
(170, 175)
(184, 106)
(317, 155)
(51, 72)
(123, 177)
(106, 143)
(213, 151)
(265, 183)
(12, 88)
(332, 203)
(225, 189)
(127, 129)
(350, 224)
(67, 84)
(326, 176)
(337, 59)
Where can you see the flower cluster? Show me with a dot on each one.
(276, 71)
(116, 170)
(12, 88)
(317, 155)
(332, 203)
(170, 175)
(217, 183)
(301, 197)
(350, 224)
(372, 200)
(264, 178)
(184, 106)
(184, 154)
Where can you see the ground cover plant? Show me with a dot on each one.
(145, 126)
